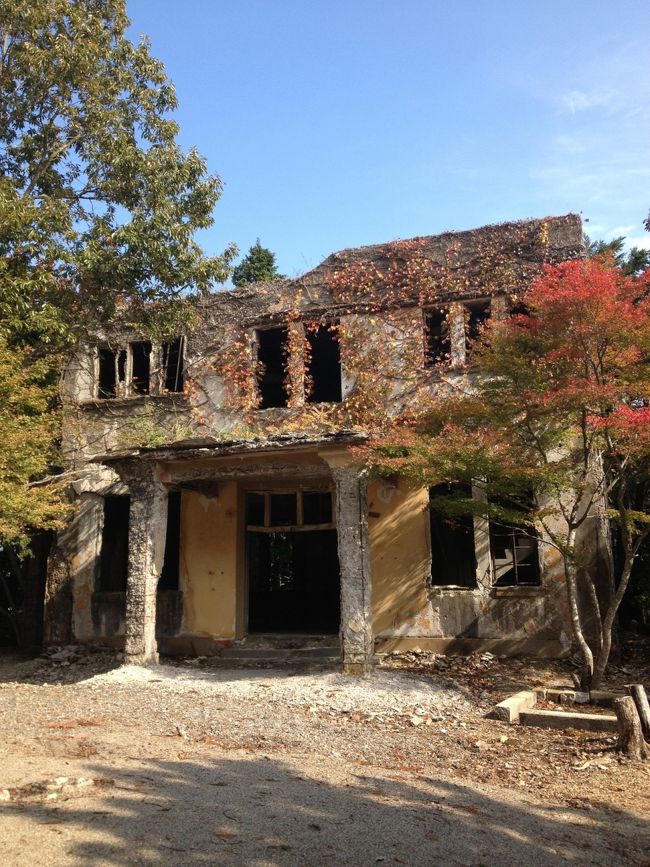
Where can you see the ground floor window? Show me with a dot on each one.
(515, 555)
(453, 550)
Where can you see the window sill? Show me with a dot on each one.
(133, 400)
(452, 589)
(520, 591)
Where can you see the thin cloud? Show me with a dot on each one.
(583, 100)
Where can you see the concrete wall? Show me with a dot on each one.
(408, 612)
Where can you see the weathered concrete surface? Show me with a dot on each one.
(354, 562)
(509, 710)
(147, 528)
(559, 719)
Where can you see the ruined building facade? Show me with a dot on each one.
(217, 492)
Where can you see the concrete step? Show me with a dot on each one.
(287, 661)
(251, 653)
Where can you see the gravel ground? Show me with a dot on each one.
(183, 764)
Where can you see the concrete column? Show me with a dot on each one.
(354, 559)
(147, 529)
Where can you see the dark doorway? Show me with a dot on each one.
(293, 566)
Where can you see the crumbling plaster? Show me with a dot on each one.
(383, 530)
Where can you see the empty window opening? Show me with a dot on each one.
(453, 551)
(293, 570)
(478, 315)
(324, 367)
(114, 557)
(515, 555)
(112, 372)
(437, 343)
(140, 366)
(172, 361)
(272, 355)
(169, 577)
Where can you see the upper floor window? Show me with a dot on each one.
(451, 332)
(273, 366)
(140, 368)
(173, 368)
(437, 340)
(323, 367)
(477, 316)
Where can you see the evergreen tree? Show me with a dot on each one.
(257, 266)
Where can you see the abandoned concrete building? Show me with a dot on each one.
(218, 499)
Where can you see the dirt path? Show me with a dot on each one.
(184, 765)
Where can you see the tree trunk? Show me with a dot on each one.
(642, 706)
(608, 622)
(630, 736)
(572, 590)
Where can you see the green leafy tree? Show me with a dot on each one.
(257, 266)
(632, 261)
(562, 407)
(98, 211)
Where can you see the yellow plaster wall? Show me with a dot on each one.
(399, 554)
(209, 562)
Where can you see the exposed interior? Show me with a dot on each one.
(140, 366)
(272, 355)
(453, 549)
(324, 368)
(437, 338)
(172, 362)
(292, 563)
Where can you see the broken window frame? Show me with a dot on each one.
(515, 533)
(124, 384)
(456, 337)
(176, 377)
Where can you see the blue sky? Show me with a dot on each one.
(334, 124)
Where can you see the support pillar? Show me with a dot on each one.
(147, 529)
(354, 560)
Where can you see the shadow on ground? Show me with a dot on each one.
(259, 811)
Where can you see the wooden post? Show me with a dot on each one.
(638, 693)
(630, 736)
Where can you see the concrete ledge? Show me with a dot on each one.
(510, 709)
(558, 719)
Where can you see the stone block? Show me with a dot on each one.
(510, 708)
